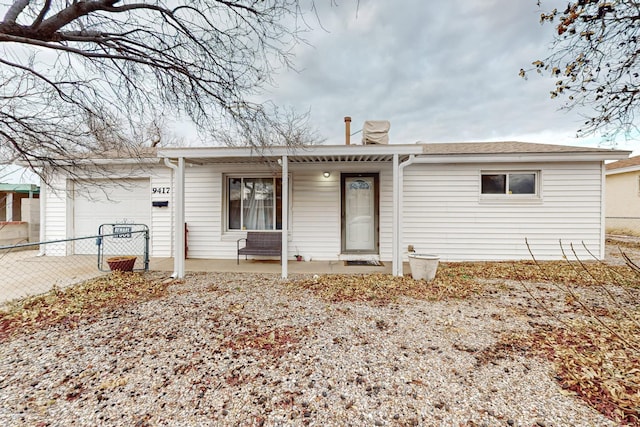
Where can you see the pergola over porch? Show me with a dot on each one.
(281, 158)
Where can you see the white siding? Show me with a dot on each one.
(205, 210)
(161, 227)
(442, 210)
(315, 213)
(55, 227)
(203, 213)
(314, 228)
(443, 213)
(386, 213)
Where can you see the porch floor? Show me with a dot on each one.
(263, 266)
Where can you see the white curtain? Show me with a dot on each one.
(258, 204)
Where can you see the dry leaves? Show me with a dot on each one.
(631, 244)
(83, 300)
(275, 342)
(590, 361)
(457, 280)
(596, 358)
(382, 289)
(596, 354)
(576, 273)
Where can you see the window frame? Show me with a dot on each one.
(536, 196)
(225, 200)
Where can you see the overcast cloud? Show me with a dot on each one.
(438, 71)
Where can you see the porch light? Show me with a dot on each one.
(326, 174)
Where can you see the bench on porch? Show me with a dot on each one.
(260, 243)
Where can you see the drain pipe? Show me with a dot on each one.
(395, 229)
(397, 269)
(178, 249)
(285, 216)
(43, 217)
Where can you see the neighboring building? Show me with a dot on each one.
(462, 201)
(11, 197)
(623, 196)
(19, 213)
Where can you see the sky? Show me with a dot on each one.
(444, 71)
(438, 71)
(11, 174)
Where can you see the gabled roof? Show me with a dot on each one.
(507, 147)
(631, 164)
(439, 152)
(123, 156)
(129, 152)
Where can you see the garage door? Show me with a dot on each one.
(99, 202)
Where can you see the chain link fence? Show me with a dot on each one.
(34, 268)
(123, 240)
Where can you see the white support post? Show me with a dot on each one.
(43, 217)
(285, 216)
(180, 219)
(396, 259)
(399, 271)
(603, 214)
(9, 208)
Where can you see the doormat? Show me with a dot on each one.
(372, 263)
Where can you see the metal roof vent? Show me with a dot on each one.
(375, 132)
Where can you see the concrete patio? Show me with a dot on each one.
(263, 266)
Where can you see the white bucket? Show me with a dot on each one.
(423, 266)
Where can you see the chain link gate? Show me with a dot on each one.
(123, 240)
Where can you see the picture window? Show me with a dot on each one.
(254, 203)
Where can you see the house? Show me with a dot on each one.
(12, 197)
(19, 213)
(623, 196)
(461, 201)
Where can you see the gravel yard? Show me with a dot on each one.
(247, 349)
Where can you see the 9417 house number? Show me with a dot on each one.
(160, 190)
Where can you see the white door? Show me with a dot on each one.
(98, 202)
(359, 214)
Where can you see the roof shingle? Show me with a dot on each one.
(505, 147)
(631, 161)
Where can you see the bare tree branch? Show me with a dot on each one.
(43, 13)
(15, 10)
(595, 63)
(75, 72)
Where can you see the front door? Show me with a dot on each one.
(359, 213)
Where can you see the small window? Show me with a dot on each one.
(510, 183)
(254, 203)
(494, 183)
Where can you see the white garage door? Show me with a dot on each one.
(98, 202)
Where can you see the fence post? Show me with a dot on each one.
(146, 249)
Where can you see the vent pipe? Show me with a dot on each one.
(347, 130)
